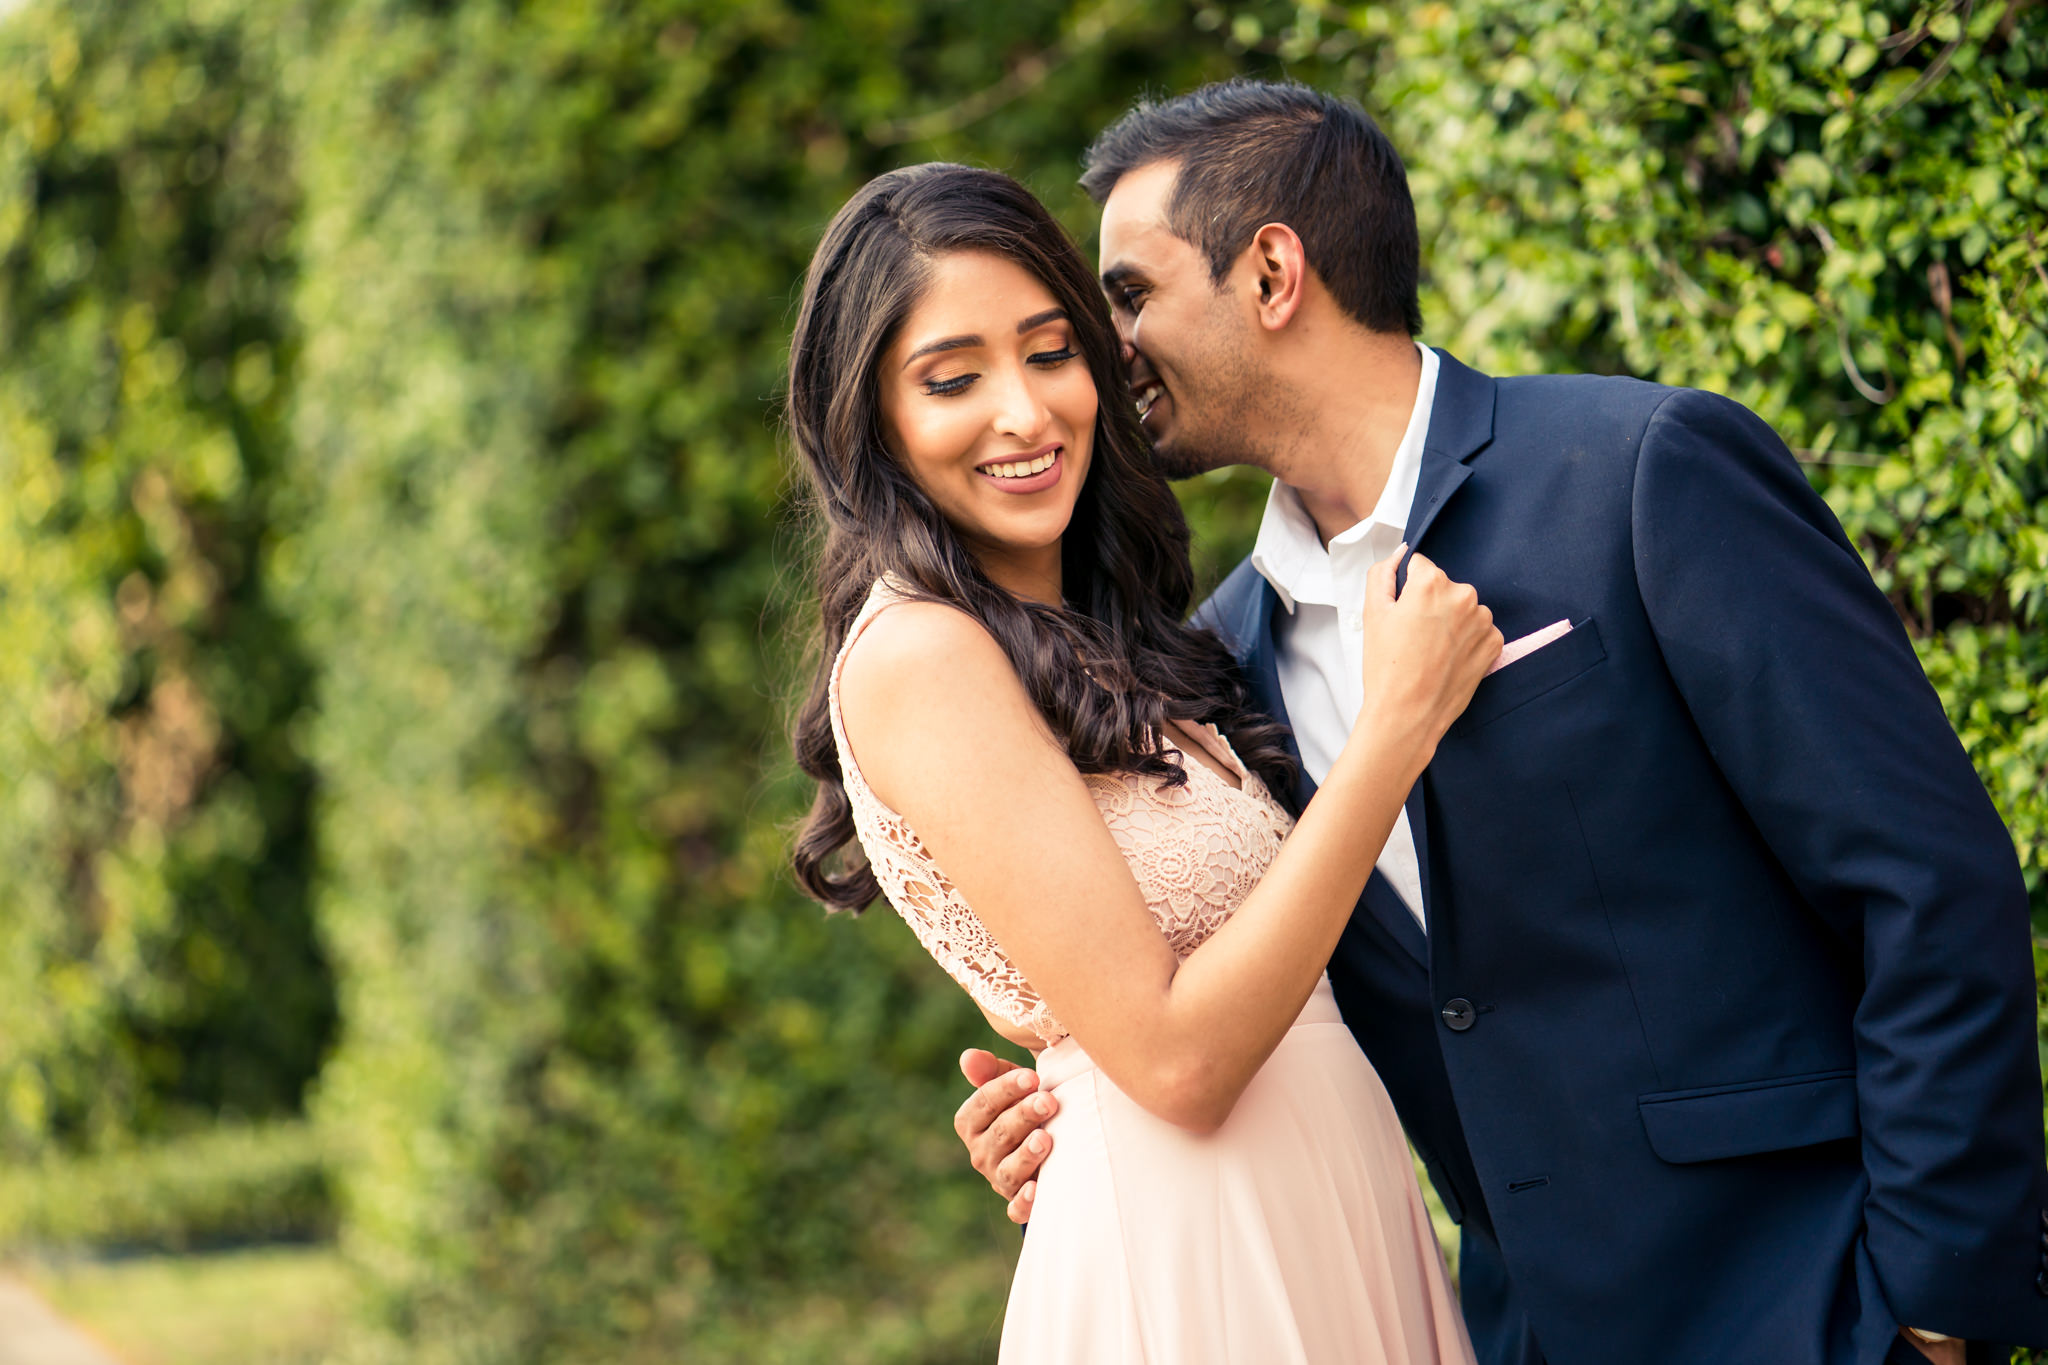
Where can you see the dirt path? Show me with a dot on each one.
(30, 1334)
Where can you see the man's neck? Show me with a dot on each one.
(1360, 397)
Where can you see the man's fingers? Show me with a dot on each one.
(1021, 1165)
(1950, 1352)
(990, 1099)
(1000, 1122)
(1020, 1207)
(980, 1066)
(996, 1151)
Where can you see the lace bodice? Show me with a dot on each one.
(1195, 850)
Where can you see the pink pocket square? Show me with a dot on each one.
(1529, 644)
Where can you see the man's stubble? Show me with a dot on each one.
(1241, 416)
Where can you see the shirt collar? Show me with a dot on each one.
(1289, 551)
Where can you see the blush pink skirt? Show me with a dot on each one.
(1293, 1235)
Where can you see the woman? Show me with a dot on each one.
(1065, 792)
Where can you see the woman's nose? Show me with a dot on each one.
(1020, 412)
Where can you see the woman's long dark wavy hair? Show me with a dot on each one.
(1113, 661)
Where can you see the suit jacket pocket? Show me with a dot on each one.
(1529, 677)
(1754, 1116)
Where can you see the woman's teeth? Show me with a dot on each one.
(1147, 399)
(1021, 469)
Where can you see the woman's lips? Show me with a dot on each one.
(1027, 483)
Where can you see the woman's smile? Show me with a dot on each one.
(1030, 472)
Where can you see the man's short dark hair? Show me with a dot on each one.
(1258, 152)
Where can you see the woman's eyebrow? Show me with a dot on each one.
(948, 344)
(961, 343)
(1040, 319)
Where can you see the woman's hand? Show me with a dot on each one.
(1425, 651)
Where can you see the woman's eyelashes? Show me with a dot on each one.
(1045, 360)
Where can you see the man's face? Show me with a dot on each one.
(1190, 344)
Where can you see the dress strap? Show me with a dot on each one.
(882, 596)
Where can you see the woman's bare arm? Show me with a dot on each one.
(946, 736)
(1010, 1033)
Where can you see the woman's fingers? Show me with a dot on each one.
(1379, 579)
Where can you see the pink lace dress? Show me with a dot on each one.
(1293, 1235)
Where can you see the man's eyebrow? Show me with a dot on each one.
(1037, 320)
(1114, 277)
(947, 344)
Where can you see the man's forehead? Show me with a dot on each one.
(1134, 215)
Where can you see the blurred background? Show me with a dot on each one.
(401, 588)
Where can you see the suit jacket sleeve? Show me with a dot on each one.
(1805, 687)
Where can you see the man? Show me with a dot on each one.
(1699, 970)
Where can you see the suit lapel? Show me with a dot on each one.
(1439, 478)
(1461, 418)
(1419, 828)
(1259, 627)
(1460, 426)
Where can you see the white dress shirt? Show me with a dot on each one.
(1321, 639)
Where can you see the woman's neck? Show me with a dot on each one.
(1034, 576)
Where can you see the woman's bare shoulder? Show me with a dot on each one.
(925, 681)
(918, 647)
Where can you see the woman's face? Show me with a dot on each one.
(992, 410)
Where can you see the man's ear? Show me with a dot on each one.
(1279, 274)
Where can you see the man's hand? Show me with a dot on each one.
(1000, 1125)
(1950, 1352)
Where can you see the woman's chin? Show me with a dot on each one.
(1021, 537)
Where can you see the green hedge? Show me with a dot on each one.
(157, 959)
(226, 1186)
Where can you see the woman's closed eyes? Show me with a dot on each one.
(1045, 360)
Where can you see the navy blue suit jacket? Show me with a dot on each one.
(1721, 1043)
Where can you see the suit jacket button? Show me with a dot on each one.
(1459, 1015)
(2041, 1284)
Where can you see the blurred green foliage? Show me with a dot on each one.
(226, 1185)
(388, 451)
(157, 958)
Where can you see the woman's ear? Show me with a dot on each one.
(1280, 274)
